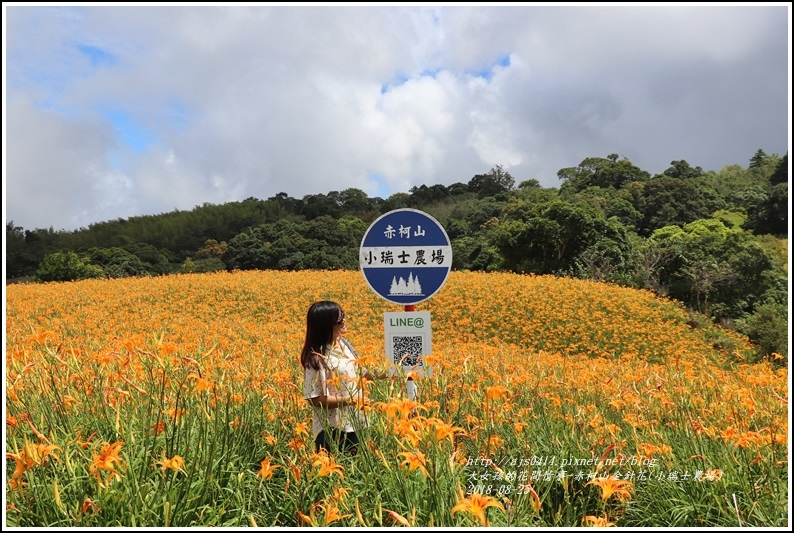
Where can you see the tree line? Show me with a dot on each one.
(716, 240)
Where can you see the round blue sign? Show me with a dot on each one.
(405, 256)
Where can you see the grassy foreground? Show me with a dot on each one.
(176, 401)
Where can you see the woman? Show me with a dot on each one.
(331, 378)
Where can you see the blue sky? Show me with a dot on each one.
(113, 111)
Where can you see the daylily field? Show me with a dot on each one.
(177, 401)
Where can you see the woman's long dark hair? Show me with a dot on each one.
(320, 321)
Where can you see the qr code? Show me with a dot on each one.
(407, 350)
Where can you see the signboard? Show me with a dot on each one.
(408, 340)
(405, 256)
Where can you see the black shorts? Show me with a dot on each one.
(343, 440)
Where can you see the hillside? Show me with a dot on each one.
(540, 375)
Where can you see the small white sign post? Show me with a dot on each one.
(408, 341)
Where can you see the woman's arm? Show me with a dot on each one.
(333, 401)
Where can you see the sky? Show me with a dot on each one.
(120, 110)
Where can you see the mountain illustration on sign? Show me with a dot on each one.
(403, 287)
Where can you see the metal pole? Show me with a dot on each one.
(410, 384)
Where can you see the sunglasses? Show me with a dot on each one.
(341, 317)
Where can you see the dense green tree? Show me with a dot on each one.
(529, 184)
(354, 202)
(770, 215)
(713, 200)
(67, 266)
(599, 172)
(552, 240)
(117, 262)
(768, 328)
(317, 205)
(497, 180)
(322, 242)
(246, 251)
(748, 199)
(681, 170)
(354, 229)
(458, 189)
(763, 166)
(211, 248)
(730, 178)
(470, 253)
(780, 175)
(468, 216)
(398, 200)
(758, 159)
(610, 204)
(535, 196)
(666, 201)
(718, 270)
(20, 260)
(41, 242)
(289, 204)
(424, 195)
(608, 256)
(157, 261)
(332, 232)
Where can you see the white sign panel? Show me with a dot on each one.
(408, 340)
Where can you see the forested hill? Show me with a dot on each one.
(717, 241)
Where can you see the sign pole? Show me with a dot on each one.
(410, 384)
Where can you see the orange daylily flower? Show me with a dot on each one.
(610, 485)
(41, 338)
(266, 469)
(409, 430)
(442, 430)
(307, 519)
(168, 348)
(301, 428)
(106, 461)
(327, 464)
(476, 504)
(495, 441)
(68, 401)
(175, 463)
(496, 392)
(331, 513)
(201, 384)
(23, 463)
(174, 413)
(40, 452)
(29, 456)
(270, 439)
(414, 461)
(340, 493)
(402, 407)
(12, 421)
(596, 521)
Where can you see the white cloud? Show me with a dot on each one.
(251, 101)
